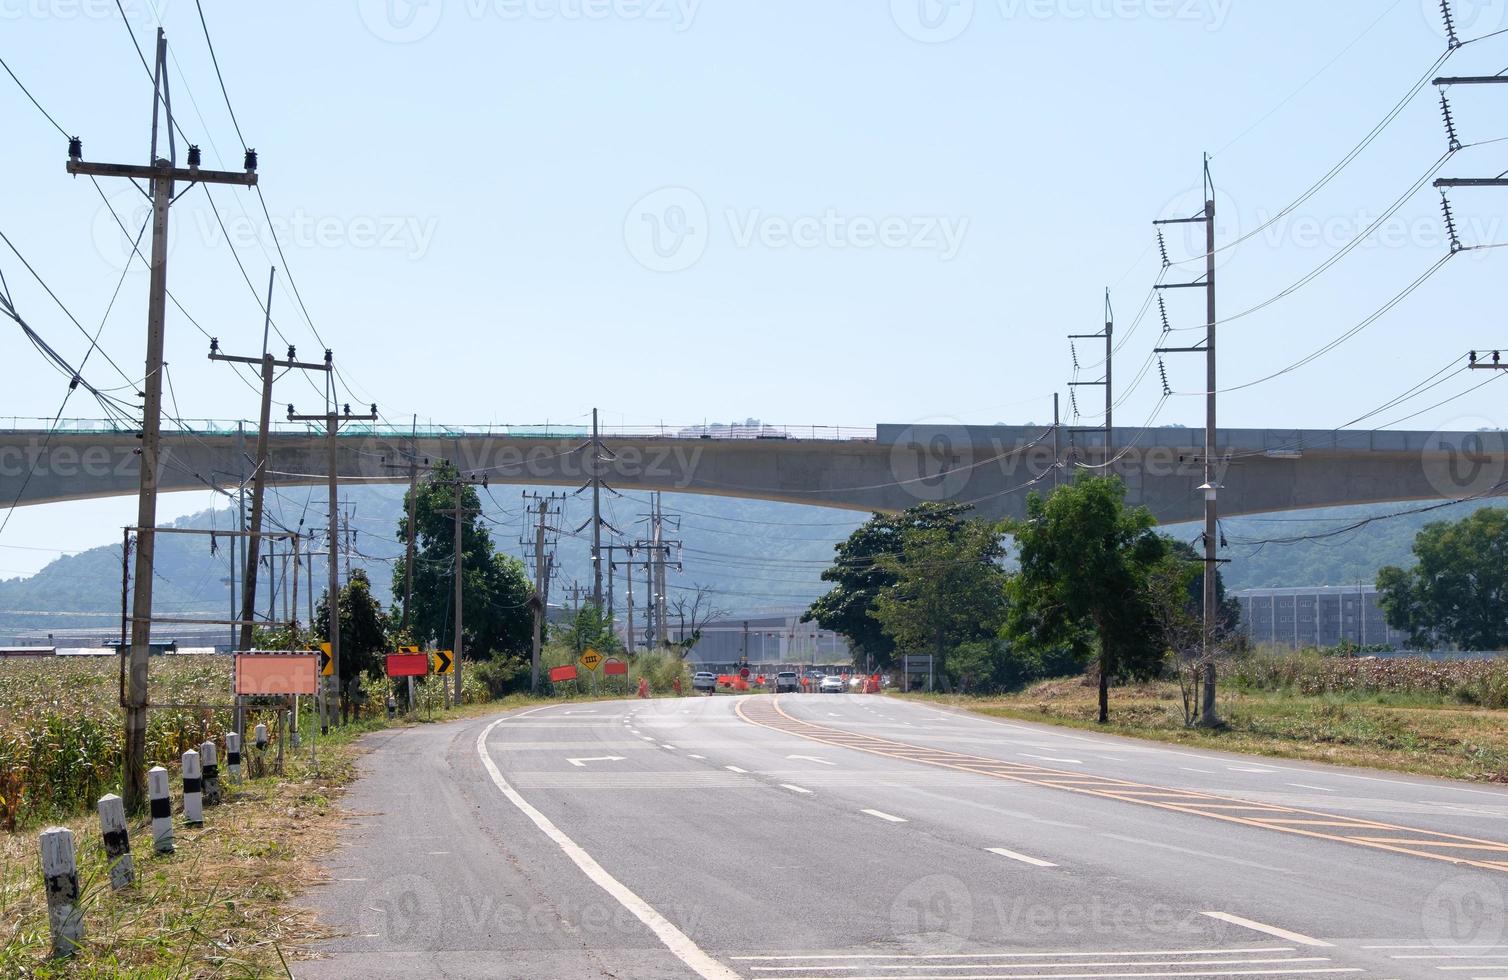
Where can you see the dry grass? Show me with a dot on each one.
(218, 907)
(1433, 736)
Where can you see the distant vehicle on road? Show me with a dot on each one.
(787, 680)
(704, 680)
(833, 684)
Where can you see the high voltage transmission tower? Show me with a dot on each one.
(161, 175)
(1210, 488)
(541, 548)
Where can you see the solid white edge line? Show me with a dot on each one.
(885, 816)
(1014, 856)
(981, 956)
(680, 945)
(1292, 937)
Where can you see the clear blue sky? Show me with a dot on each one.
(837, 213)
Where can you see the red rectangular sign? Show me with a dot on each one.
(277, 673)
(566, 673)
(615, 667)
(407, 664)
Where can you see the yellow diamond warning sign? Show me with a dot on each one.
(591, 659)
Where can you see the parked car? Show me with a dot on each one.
(704, 680)
(787, 680)
(832, 684)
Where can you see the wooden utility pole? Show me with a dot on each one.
(161, 176)
(259, 476)
(332, 429)
(1210, 489)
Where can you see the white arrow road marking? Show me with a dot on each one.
(812, 758)
(581, 763)
(679, 944)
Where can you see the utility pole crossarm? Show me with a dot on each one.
(162, 171)
(1472, 80)
(1472, 182)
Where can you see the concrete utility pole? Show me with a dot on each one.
(1208, 716)
(459, 513)
(160, 175)
(1057, 446)
(332, 429)
(259, 476)
(546, 506)
(1108, 336)
(596, 514)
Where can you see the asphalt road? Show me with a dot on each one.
(850, 836)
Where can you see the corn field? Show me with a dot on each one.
(1483, 683)
(61, 728)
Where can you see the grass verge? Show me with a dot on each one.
(218, 907)
(1403, 733)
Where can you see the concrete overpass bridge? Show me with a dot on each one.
(888, 468)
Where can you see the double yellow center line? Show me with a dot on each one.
(1451, 848)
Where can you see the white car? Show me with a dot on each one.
(832, 684)
(704, 680)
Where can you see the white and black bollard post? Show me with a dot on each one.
(112, 825)
(208, 758)
(162, 810)
(233, 755)
(60, 875)
(193, 790)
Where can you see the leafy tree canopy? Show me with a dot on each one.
(859, 578)
(1085, 559)
(1458, 590)
(495, 591)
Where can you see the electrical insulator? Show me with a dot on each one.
(214, 345)
(1495, 357)
(291, 353)
(75, 148)
(251, 161)
(193, 156)
(290, 411)
(347, 407)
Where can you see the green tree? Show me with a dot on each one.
(948, 589)
(363, 634)
(1083, 581)
(1457, 590)
(858, 578)
(591, 629)
(495, 591)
